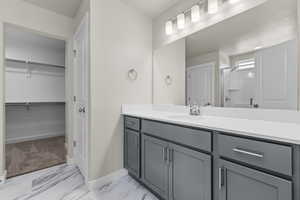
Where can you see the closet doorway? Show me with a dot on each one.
(34, 101)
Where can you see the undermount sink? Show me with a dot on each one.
(186, 117)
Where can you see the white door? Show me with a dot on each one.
(277, 76)
(200, 84)
(81, 63)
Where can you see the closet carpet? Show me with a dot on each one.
(25, 157)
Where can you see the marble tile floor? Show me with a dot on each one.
(65, 182)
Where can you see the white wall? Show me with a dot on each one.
(22, 50)
(36, 122)
(121, 39)
(202, 59)
(169, 60)
(41, 84)
(20, 13)
(160, 38)
(40, 20)
(36, 54)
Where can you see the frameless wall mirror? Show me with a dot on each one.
(247, 61)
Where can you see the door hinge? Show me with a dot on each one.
(74, 98)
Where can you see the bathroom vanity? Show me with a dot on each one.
(177, 157)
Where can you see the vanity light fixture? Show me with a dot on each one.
(181, 21)
(195, 13)
(169, 27)
(213, 6)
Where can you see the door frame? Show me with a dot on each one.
(83, 24)
(203, 65)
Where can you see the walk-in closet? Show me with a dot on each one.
(35, 101)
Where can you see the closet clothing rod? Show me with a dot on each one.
(34, 63)
(34, 103)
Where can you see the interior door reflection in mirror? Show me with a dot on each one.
(247, 61)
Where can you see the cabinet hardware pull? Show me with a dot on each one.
(168, 156)
(165, 149)
(248, 153)
(220, 178)
(171, 154)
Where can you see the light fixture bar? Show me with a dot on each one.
(188, 11)
(194, 12)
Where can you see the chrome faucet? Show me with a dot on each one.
(195, 109)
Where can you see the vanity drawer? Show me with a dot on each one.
(195, 138)
(266, 155)
(132, 123)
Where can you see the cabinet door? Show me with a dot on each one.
(154, 165)
(190, 174)
(237, 182)
(132, 152)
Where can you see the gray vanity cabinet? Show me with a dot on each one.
(190, 174)
(237, 182)
(155, 170)
(175, 172)
(178, 163)
(132, 152)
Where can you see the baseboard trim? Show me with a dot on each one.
(3, 177)
(70, 160)
(31, 138)
(105, 179)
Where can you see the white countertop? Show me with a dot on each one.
(273, 130)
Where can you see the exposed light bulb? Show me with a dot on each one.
(181, 21)
(195, 13)
(233, 1)
(169, 27)
(213, 6)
